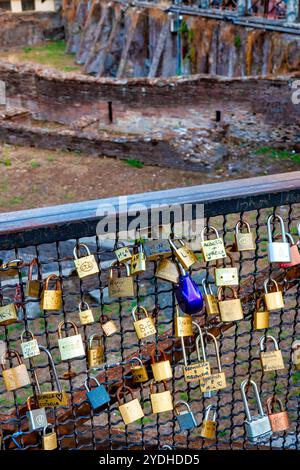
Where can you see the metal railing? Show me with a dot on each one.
(50, 234)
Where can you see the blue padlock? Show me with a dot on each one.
(188, 294)
(97, 396)
(185, 418)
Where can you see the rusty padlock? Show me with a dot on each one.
(279, 420)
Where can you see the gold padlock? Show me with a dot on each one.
(161, 401)
(15, 377)
(226, 276)
(183, 253)
(120, 286)
(10, 269)
(70, 346)
(130, 411)
(86, 316)
(167, 270)
(183, 324)
(138, 260)
(273, 300)
(145, 326)
(95, 353)
(230, 309)
(210, 300)
(296, 354)
(270, 360)
(29, 348)
(155, 242)
(108, 326)
(162, 370)
(87, 265)
(212, 249)
(261, 317)
(8, 314)
(139, 372)
(194, 371)
(52, 299)
(33, 287)
(209, 383)
(123, 253)
(49, 440)
(209, 426)
(243, 241)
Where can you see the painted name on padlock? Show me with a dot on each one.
(213, 382)
(272, 360)
(195, 372)
(30, 349)
(52, 399)
(214, 249)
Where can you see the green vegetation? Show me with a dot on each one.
(134, 163)
(237, 41)
(278, 154)
(51, 54)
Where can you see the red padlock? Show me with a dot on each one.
(294, 252)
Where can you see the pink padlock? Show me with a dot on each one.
(294, 252)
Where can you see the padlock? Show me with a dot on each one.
(258, 427)
(86, 265)
(261, 317)
(208, 429)
(270, 360)
(49, 440)
(139, 372)
(95, 353)
(210, 300)
(138, 260)
(183, 253)
(86, 316)
(54, 398)
(145, 326)
(273, 300)
(70, 346)
(29, 348)
(15, 377)
(278, 252)
(296, 354)
(120, 286)
(243, 241)
(212, 382)
(185, 418)
(205, 364)
(123, 253)
(182, 324)
(52, 299)
(155, 243)
(8, 314)
(230, 309)
(33, 286)
(108, 326)
(97, 396)
(10, 269)
(194, 371)
(130, 411)
(226, 276)
(167, 270)
(188, 294)
(161, 401)
(280, 420)
(294, 253)
(37, 418)
(162, 370)
(3, 349)
(212, 249)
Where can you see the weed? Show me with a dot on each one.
(237, 41)
(134, 163)
(15, 200)
(34, 164)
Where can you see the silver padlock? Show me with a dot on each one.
(278, 252)
(37, 418)
(258, 427)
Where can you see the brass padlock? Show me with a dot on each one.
(230, 309)
(273, 300)
(162, 370)
(194, 371)
(212, 249)
(167, 270)
(208, 429)
(278, 252)
(270, 360)
(15, 377)
(87, 265)
(10, 269)
(95, 353)
(161, 401)
(145, 326)
(123, 253)
(183, 324)
(261, 317)
(279, 420)
(120, 286)
(155, 242)
(210, 300)
(130, 411)
(296, 354)
(109, 327)
(33, 286)
(212, 382)
(49, 440)
(294, 253)
(243, 241)
(70, 346)
(86, 316)
(183, 253)
(29, 348)
(138, 260)
(8, 314)
(226, 276)
(139, 372)
(52, 299)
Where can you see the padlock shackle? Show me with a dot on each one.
(104, 319)
(199, 340)
(240, 224)
(53, 369)
(216, 349)
(10, 354)
(221, 289)
(14, 263)
(161, 354)
(28, 332)
(33, 263)
(167, 446)
(274, 217)
(208, 409)
(65, 323)
(88, 381)
(258, 303)
(57, 282)
(182, 271)
(204, 285)
(135, 358)
(267, 281)
(157, 385)
(222, 262)
(76, 250)
(244, 384)
(181, 402)
(266, 338)
(84, 304)
(122, 390)
(135, 312)
(207, 229)
(93, 338)
(28, 402)
(270, 404)
(117, 265)
(46, 427)
(172, 243)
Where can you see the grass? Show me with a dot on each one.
(278, 154)
(134, 163)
